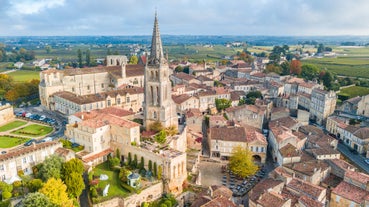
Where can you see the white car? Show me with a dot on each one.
(367, 161)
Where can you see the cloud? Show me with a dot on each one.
(195, 17)
(27, 7)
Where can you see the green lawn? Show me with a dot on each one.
(12, 125)
(354, 91)
(24, 75)
(115, 188)
(34, 130)
(7, 141)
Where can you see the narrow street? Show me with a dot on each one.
(357, 159)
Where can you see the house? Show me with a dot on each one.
(263, 187)
(252, 115)
(205, 80)
(183, 78)
(346, 194)
(351, 105)
(356, 138)
(194, 119)
(18, 65)
(323, 104)
(184, 102)
(223, 139)
(334, 123)
(363, 106)
(24, 159)
(313, 171)
(340, 167)
(236, 96)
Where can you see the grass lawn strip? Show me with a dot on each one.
(12, 125)
(33, 130)
(354, 91)
(8, 142)
(115, 188)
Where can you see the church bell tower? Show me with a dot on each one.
(158, 103)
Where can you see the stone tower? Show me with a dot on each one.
(158, 103)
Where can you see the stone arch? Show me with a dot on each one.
(111, 61)
(157, 95)
(152, 75)
(156, 75)
(256, 158)
(152, 94)
(154, 115)
(118, 62)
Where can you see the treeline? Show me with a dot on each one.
(12, 91)
(15, 55)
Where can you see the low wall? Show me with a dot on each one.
(149, 194)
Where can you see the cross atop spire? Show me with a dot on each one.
(156, 54)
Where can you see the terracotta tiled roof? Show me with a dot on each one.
(306, 188)
(26, 150)
(184, 76)
(219, 190)
(290, 151)
(307, 201)
(181, 98)
(263, 186)
(108, 119)
(236, 95)
(287, 122)
(203, 78)
(193, 112)
(233, 134)
(80, 100)
(342, 164)
(354, 100)
(220, 202)
(358, 176)
(350, 192)
(93, 157)
(272, 199)
(362, 133)
(309, 167)
(116, 111)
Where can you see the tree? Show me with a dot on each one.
(48, 49)
(129, 159)
(222, 103)
(295, 67)
(34, 185)
(273, 68)
(75, 184)
(51, 167)
(309, 71)
(161, 137)
(123, 173)
(160, 171)
(171, 130)
(241, 162)
(150, 166)
(178, 69)
(88, 57)
(73, 165)
(117, 153)
(79, 54)
(135, 161)
(114, 161)
(11, 95)
(56, 191)
(320, 48)
(133, 59)
(36, 200)
(156, 126)
(155, 170)
(285, 66)
(327, 80)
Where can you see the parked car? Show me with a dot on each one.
(367, 161)
(29, 143)
(42, 118)
(28, 115)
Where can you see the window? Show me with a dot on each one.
(102, 85)
(257, 149)
(72, 89)
(31, 158)
(1, 167)
(109, 102)
(128, 99)
(338, 198)
(154, 114)
(252, 148)
(88, 87)
(24, 160)
(118, 100)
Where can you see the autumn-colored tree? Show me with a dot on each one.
(171, 130)
(133, 59)
(11, 95)
(241, 162)
(273, 68)
(75, 184)
(56, 191)
(295, 67)
(156, 126)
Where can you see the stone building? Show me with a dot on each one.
(363, 106)
(158, 103)
(24, 159)
(323, 104)
(6, 114)
(247, 114)
(87, 81)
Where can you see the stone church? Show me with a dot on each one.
(90, 81)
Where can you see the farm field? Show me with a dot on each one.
(24, 75)
(345, 66)
(12, 125)
(33, 130)
(8, 141)
(354, 91)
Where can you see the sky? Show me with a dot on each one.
(184, 17)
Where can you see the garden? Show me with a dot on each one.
(12, 125)
(33, 130)
(11, 141)
(351, 92)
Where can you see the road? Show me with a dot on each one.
(357, 159)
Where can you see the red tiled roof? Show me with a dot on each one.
(350, 192)
(93, 157)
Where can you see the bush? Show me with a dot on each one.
(7, 195)
(128, 187)
(94, 192)
(17, 184)
(114, 162)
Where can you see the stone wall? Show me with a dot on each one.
(149, 194)
(6, 114)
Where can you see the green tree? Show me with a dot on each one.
(273, 68)
(150, 166)
(178, 69)
(51, 167)
(171, 130)
(161, 137)
(160, 172)
(285, 68)
(156, 126)
(88, 57)
(133, 59)
(34, 185)
(79, 55)
(241, 162)
(73, 165)
(327, 80)
(310, 72)
(48, 49)
(129, 159)
(114, 161)
(320, 48)
(36, 200)
(117, 153)
(56, 191)
(155, 172)
(135, 161)
(142, 163)
(123, 173)
(75, 184)
(222, 103)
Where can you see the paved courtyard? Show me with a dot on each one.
(211, 173)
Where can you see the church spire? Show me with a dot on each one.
(156, 54)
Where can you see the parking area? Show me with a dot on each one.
(211, 173)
